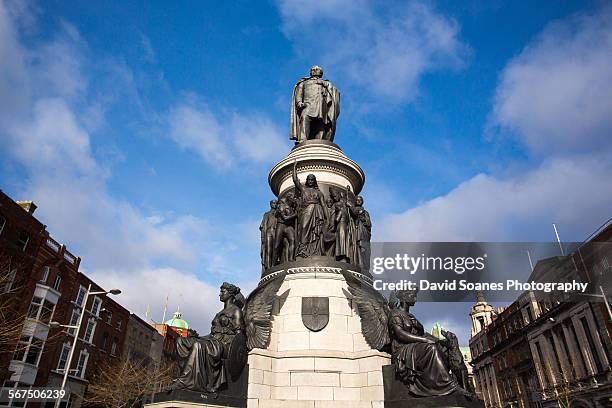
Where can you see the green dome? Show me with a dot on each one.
(178, 322)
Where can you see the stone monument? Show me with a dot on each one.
(315, 333)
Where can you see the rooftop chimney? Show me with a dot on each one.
(29, 206)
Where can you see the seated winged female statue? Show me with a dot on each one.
(207, 363)
(421, 360)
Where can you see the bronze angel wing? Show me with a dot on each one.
(373, 310)
(258, 313)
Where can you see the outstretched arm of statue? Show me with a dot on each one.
(296, 180)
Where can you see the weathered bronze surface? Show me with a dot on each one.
(427, 366)
(206, 362)
(315, 107)
(315, 313)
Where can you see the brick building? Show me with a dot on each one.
(21, 236)
(549, 350)
(46, 285)
(143, 344)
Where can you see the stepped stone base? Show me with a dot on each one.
(233, 394)
(397, 396)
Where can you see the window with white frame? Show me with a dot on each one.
(89, 331)
(74, 319)
(82, 364)
(81, 295)
(63, 358)
(109, 317)
(2, 223)
(119, 323)
(57, 283)
(41, 309)
(96, 306)
(114, 347)
(45, 274)
(28, 350)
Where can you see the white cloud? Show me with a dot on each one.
(148, 288)
(46, 130)
(198, 130)
(53, 139)
(573, 193)
(556, 93)
(556, 96)
(223, 140)
(383, 50)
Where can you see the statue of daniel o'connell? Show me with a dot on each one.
(315, 107)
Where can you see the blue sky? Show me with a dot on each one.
(145, 131)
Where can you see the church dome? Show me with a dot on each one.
(177, 321)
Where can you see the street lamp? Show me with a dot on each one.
(77, 328)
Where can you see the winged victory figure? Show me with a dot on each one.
(206, 362)
(421, 360)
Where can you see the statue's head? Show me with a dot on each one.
(333, 195)
(316, 71)
(406, 297)
(273, 204)
(311, 180)
(228, 291)
(359, 201)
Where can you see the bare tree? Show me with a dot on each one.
(11, 319)
(564, 391)
(125, 384)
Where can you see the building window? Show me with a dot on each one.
(81, 295)
(592, 347)
(114, 347)
(29, 349)
(45, 274)
(6, 285)
(74, 319)
(119, 323)
(104, 341)
(41, 310)
(2, 223)
(63, 359)
(56, 284)
(46, 311)
(109, 317)
(22, 240)
(11, 401)
(82, 364)
(89, 331)
(95, 306)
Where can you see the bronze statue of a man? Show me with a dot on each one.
(268, 230)
(315, 107)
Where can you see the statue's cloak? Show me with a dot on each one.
(333, 110)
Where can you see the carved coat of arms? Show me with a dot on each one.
(315, 313)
